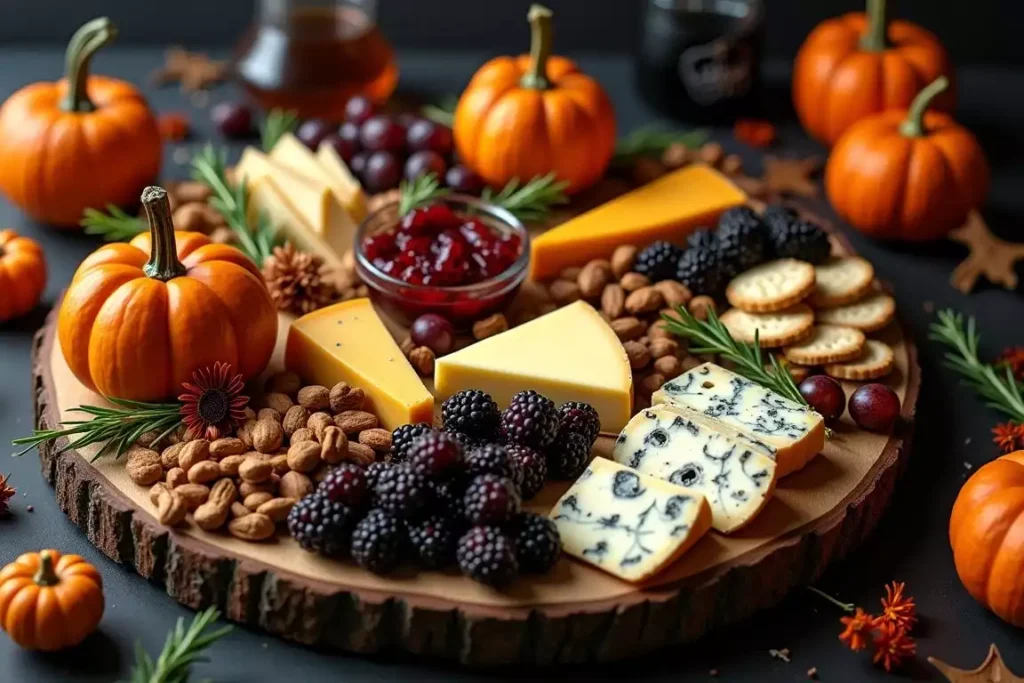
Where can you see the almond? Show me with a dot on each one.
(294, 420)
(318, 422)
(176, 477)
(204, 472)
(255, 471)
(194, 495)
(421, 358)
(637, 353)
(570, 273)
(699, 306)
(192, 453)
(156, 490)
(295, 485)
(277, 508)
(669, 367)
(657, 331)
(361, 454)
(169, 456)
(634, 281)
(144, 466)
(628, 329)
(229, 465)
(170, 509)
(254, 527)
(377, 439)
(732, 164)
(406, 347)
(283, 383)
(674, 293)
(239, 510)
(335, 445)
(354, 421)
(280, 464)
(690, 362)
(278, 401)
(314, 398)
(564, 291)
(269, 414)
(613, 301)
(247, 488)
(343, 397)
(711, 153)
(267, 436)
(593, 278)
(254, 500)
(644, 300)
(651, 383)
(221, 448)
(245, 431)
(660, 347)
(304, 456)
(623, 259)
(303, 434)
(676, 154)
(488, 327)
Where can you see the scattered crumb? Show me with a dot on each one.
(782, 654)
(812, 673)
(968, 465)
(929, 306)
(967, 441)
(713, 673)
(30, 509)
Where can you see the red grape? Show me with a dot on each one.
(422, 163)
(424, 134)
(461, 179)
(312, 131)
(357, 164)
(434, 332)
(382, 172)
(875, 407)
(382, 134)
(346, 149)
(232, 119)
(825, 395)
(358, 109)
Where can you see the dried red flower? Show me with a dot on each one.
(213, 404)
(1009, 436)
(897, 608)
(173, 126)
(754, 132)
(893, 644)
(6, 493)
(857, 634)
(1013, 358)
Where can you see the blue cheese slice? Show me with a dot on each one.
(795, 431)
(734, 472)
(629, 524)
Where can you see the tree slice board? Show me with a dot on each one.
(573, 614)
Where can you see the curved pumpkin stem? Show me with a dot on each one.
(874, 38)
(45, 575)
(163, 261)
(913, 125)
(540, 48)
(83, 45)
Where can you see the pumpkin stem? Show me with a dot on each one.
(540, 48)
(874, 38)
(913, 125)
(45, 575)
(163, 255)
(83, 45)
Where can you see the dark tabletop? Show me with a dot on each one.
(910, 545)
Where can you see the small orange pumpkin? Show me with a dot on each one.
(861, 64)
(83, 141)
(138, 319)
(907, 175)
(986, 531)
(526, 116)
(22, 274)
(50, 601)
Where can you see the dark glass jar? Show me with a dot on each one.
(698, 60)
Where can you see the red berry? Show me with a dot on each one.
(357, 164)
(477, 233)
(425, 135)
(380, 245)
(382, 172)
(441, 217)
(358, 109)
(382, 134)
(825, 395)
(233, 120)
(461, 179)
(312, 132)
(433, 331)
(422, 163)
(875, 407)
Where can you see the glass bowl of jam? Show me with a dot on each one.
(457, 256)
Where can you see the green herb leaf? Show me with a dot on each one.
(443, 111)
(423, 190)
(113, 226)
(182, 649)
(531, 202)
(652, 141)
(277, 123)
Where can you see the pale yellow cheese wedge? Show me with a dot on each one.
(345, 183)
(266, 197)
(290, 152)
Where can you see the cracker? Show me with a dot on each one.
(876, 361)
(775, 329)
(827, 344)
(867, 315)
(771, 286)
(841, 281)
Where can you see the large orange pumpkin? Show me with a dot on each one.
(83, 141)
(535, 114)
(860, 64)
(138, 319)
(986, 531)
(907, 175)
(50, 601)
(22, 274)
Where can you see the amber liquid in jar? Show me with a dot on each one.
(311, 57)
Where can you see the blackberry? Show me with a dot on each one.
(700, 270)
(530, 420)
(321, 526)
(448, 498)
(470, 443)
(533, 466)
(433, 541)
(346, 483)
(792, 237)
(490, 499)
(657, 261)
(742, 240)
(403, 437)
(373, 472)
(493, 458)
(487, 555)
(402, 492)
(538, 544)
(435, 456)
(471, 412)
(568, 456)
(378, 541)
(704, 237)
(581, 418)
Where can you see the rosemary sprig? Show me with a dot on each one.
(182, 649)
(443, 111)
(1000, 391)
(712, 337)
(116, 428)
(423, 190)
(530, 202)
(652, 140)
(257, 241)
(277, 123)
(113, 226)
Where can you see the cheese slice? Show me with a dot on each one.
(291, 153)
(345, 183)
(795, 431)
(347, 342)
(629, 524)
(570, 354)
(665, 209)
(266, 197)
(734, 472)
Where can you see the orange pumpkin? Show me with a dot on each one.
(138, 319)
(535, 114)
(861, 64)
(22, 274)
(986, 531)
(83, 141)
(50, 601)
(907, 175)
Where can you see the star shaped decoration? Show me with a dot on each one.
(992, 670)
(991, 257)
(193, 70)
(791, 176)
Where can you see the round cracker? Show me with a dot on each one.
(867, 315)
(827, 344)
(841, 281)
(877, 360)
(771, 286)
(775, 329)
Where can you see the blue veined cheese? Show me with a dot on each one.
(734, 472)
(795, 431)
(629, 524)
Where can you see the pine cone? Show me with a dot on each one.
(6, 493)
(298, 281)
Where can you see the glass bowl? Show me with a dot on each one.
(462, 304)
